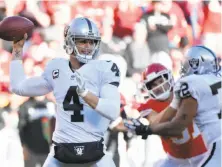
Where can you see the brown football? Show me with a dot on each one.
(13, 28)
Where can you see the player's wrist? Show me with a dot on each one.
(144, 131)
(148, 132)
(82, 93)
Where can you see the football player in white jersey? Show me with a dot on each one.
(197, 97)
(86, 93)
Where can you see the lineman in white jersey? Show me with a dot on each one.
(196, 99)
(86, 92)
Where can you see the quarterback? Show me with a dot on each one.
(195, 100)
(86, 93)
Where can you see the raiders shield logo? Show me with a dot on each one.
(194, 63)
(79, 150)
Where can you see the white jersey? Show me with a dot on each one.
(206, 89)
(219, 95)
(75, 121)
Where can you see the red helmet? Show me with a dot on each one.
(158, 81)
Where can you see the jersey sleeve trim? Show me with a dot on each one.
(114, 83)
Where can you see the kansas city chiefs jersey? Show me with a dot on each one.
(206, 89)
(75, 120)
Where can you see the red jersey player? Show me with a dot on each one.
(187, 149)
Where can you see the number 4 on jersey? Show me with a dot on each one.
(115, 69)
(71, 103)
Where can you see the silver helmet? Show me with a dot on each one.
(81, 28)
(199, 60)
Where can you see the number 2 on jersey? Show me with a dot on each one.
(71, 103)
(185, 90)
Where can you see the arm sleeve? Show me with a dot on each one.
(109, 99)
(109, 102)
(20, 85)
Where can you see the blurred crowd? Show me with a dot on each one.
(134, 33)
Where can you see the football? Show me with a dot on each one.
(13, 28)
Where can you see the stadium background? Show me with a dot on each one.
(125, 40)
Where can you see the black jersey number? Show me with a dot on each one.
(185, 90)
(115, 69)
(71, 103)
(214, 89)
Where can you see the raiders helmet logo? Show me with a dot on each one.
(194, 63)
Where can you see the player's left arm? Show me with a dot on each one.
(184, 117)
(108, 102)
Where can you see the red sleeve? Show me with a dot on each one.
(146, 105)
(155, 105)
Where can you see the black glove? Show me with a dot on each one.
(138, 127)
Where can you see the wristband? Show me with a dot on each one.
(84, 93)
